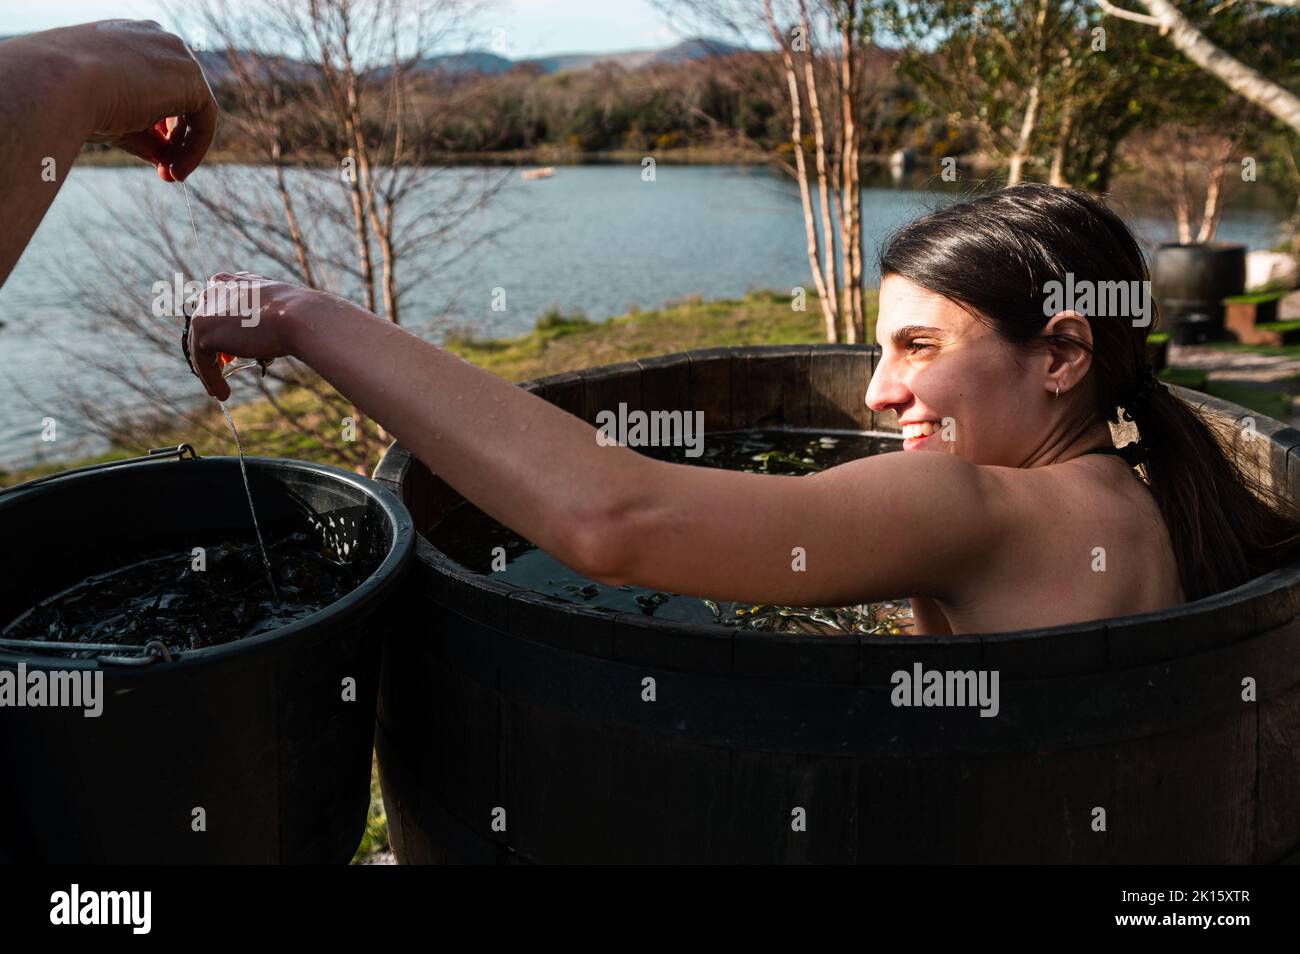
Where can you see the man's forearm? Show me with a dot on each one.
(43, 124)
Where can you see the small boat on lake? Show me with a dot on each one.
(543, 173)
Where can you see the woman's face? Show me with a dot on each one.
(957, 388)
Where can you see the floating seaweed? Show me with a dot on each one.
(886, 618)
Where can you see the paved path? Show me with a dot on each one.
(1233, 365)
(1241, 367)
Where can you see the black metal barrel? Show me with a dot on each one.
(1190, 282)
(514, 728)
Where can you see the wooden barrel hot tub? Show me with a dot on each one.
(512, 727)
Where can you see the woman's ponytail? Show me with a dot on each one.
(1226, 526)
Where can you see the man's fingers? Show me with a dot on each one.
(199, 127)
(147, 145)
(153, 146)
(175, 144)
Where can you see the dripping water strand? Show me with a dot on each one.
(266, 563)
(190, 209)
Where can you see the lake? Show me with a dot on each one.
(595, 239)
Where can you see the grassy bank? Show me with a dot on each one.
(562, 342)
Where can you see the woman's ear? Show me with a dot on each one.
(1069, 338)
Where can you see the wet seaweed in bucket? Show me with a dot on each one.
(161, 596)
(191, 593)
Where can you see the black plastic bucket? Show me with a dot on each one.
(261, 734)
(1190, 282)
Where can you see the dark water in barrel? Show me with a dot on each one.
(163, 596)
(469, 536)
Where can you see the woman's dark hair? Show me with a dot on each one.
(996, 254)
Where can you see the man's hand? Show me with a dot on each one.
(144, 91)
(123, 82)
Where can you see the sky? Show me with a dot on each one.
(517, 29)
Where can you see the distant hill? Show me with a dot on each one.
(217, 68)
(483, 62)
(461, 64)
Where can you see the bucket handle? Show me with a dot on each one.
(149, 652)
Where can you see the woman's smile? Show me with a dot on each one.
(916, 433)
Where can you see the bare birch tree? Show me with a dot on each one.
(822, 47)
(1187, 168)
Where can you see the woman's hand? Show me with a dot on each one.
(250, 316)
(142, 89)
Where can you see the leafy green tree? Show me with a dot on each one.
(1045, 86)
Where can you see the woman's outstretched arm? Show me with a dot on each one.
(888, 526)
(608, 511)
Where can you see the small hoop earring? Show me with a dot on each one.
(1058, 389)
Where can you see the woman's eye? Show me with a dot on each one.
(917, 347)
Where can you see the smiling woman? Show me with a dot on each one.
(980, 361)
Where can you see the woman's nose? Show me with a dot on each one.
(885, 391)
